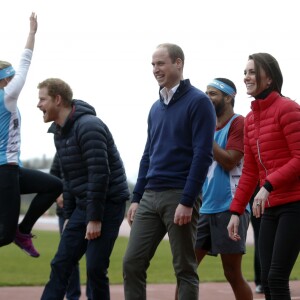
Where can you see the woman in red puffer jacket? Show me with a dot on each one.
(272, 156)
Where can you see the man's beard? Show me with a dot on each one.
(220, 108)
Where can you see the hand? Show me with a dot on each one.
(131, 212)
(60, 201)
(183, 215)
(259, 202)
(33, 23)
(93, 230)
(233, 227)
(33, 28)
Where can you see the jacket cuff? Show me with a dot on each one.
(235, 213)
(268, 186)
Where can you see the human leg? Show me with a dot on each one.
(203, 242)
(231, 252)
(73, 289)
(9, 203)
(99, 251)
(146, 233)
(88, 291)
(255, 222)
(182, 241)
(257, 268)
(46, 186)
(266, 243)
(71, 248)
(279, 246)
(232, 266)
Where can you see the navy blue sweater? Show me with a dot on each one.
(178, 150)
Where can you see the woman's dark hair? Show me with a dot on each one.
(266, 62)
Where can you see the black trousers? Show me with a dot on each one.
(279, 246)
(15, 181)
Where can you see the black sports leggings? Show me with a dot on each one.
(15, 181)
(256, 226)
(279, 245)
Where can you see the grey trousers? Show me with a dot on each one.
(154, 218)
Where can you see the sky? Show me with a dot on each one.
(103, 49)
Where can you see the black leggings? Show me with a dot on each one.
(15, 181)
(256, 226)
(279, 246)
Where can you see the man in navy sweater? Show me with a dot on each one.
(173, 168)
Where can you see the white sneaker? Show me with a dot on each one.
(259, 289)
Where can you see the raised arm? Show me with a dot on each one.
(33, 29)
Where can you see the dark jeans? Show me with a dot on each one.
(74, 289)
(279, 246)
(72, 247)
(15, 181)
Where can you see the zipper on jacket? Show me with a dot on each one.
(260, 160)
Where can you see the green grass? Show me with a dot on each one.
(18, 269)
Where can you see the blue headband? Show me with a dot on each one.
(223, 87)
(7, 72)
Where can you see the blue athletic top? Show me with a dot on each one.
(9, 133)
(10, 118)
(220, 185)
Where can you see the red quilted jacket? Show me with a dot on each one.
(272, 152)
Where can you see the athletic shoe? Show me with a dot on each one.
(259, 289)
(24, 241)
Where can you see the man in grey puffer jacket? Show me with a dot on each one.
(95, 189)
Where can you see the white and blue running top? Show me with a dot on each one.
(10, 118)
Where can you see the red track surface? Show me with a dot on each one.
(208, 291)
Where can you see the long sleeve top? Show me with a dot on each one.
(178, 150)
(10, 118)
